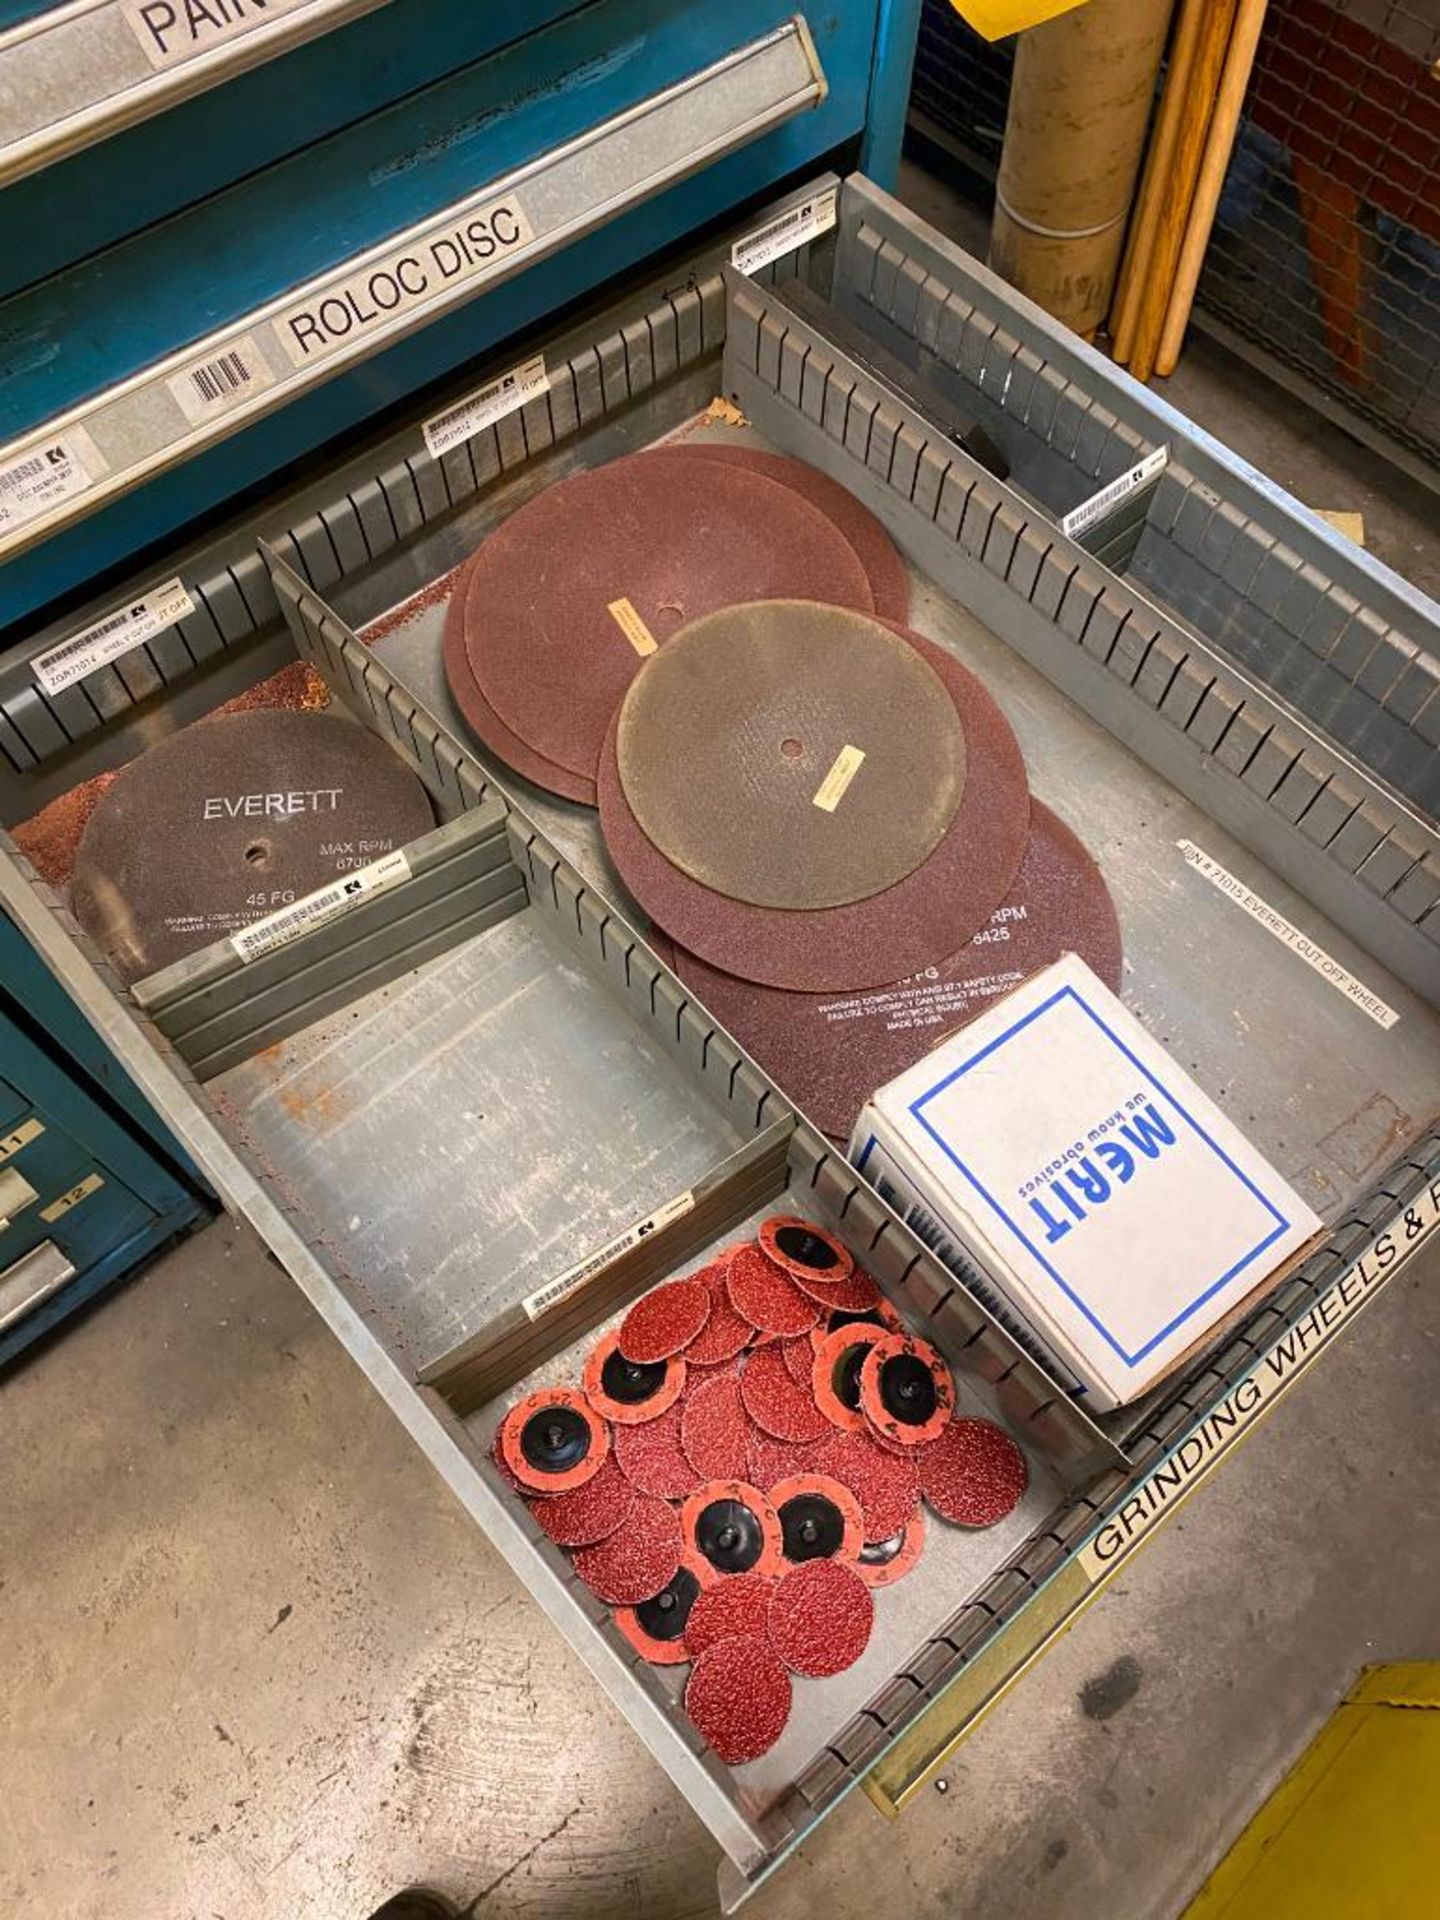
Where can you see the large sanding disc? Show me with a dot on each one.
(917, 923)
(570, 594)
(884, 569)
(230, 820)
(791, 754)
(829, 1052)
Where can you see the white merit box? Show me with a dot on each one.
(1057, 1159)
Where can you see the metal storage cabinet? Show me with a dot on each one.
(84, 1192)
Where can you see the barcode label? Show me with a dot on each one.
(485, 406)
(44, 476)
(119, 633)
(221, 381)
(327, 903)
(1080, 519)
(556, 1290)
(786, 232)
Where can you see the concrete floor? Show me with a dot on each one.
(262, 1668)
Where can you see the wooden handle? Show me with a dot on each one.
(1125, 308)
(1218, 147)
(1179, 187)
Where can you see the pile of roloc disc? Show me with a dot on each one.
(825, 815)
(748, 1456)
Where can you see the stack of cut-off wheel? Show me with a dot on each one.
(747, 1457)
(825, 815)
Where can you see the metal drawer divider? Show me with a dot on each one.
(1223, 739)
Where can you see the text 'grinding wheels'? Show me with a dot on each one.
(791, 754)
(918, 922)
(232, 819)
(567, 597)
(828, 1053)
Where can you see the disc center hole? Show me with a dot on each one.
(791, 748)
(256, 853)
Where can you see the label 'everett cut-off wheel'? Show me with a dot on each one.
(916, 923)
(570, 594)
(232, 819)
(790, 754)
(828, 1052)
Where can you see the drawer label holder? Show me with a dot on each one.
(317, 909)
(786, 232)
(170, 32)
(482, 408)
(117, 634)
(544, 1298)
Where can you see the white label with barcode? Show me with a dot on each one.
(46, 474)
(559, 1289)
(786, 231)
(223, 380)
(117, 634)
(485, 406)
(1080, 519)
(316, 909)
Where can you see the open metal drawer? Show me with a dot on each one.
(474, 1092)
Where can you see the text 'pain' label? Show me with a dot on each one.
(316, 909)
(561, 1288)
(485, 406)
(368, 302)
(117, 634)
(170, 32)
(786, 231)
(45, 476)
(223, 380)
(834, 786)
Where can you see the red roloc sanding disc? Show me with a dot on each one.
(821, 1614)
(502, 1467)
(657, 1627)
(829, 1052)
(664, 1322)
(733, 1526)
(726, 1332)
(554, 1441)
(486, 724)
(820, 1519)
(887, 1485)
(771, 1460)
(767, 1298)
(639, 1558)
(883, 1562)
(712, 1428)
(805, 1251)
(835, 1374)
(588, 1513)
(882, 1314)
(906, 1392)
(775, 1403)
(856, 1293)
(739, 1605)
(566, 596)
(738, 1698)
(884, 569)
(653, 1458)
(799, 1357)
(916, 923)
(628, 1394)
(974, 1474)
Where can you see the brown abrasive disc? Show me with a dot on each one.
(790, 754)
(230, 820)
(916, 923)
(885, 570)
(567, 597)
(829, 1051)
(485, 723)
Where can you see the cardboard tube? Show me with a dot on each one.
(1079, 105)
(1219, 145)
(1125, 308)
(1179, 188)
